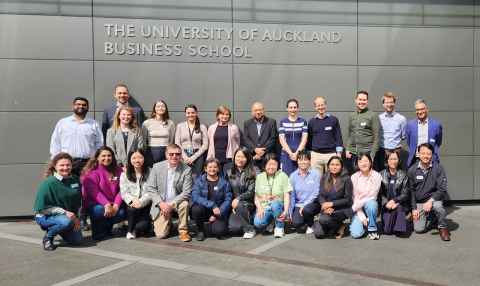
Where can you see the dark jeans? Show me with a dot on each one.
(309, 212)
(197, 166)
(139, 220)
(157, 154)
(59, 224)
(242, 220)
(201, 215)
(351, 164)
(328, 224)
(102, 226)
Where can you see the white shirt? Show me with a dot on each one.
(170, 188)
(422, 132)
(80, 139)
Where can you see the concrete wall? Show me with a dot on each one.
(52, 51)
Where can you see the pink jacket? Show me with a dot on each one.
(98, 188)
(233, 140)
(365, 188)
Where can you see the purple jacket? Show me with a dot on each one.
(98, 188)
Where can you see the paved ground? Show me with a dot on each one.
(293, 260)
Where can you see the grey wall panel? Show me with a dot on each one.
(476, 176)
(275, 84)
(459, 171)
(390, 12)
(295, 11)
(43, 85)
(206, 85)
(476, 133)
(45, 37)
(297, 50)
(476, 89)
(444, 88)
(26, 136)
(477, 46)
(48, 7)
(449, 13)
(415, 46)
(214, 10)
(19, 185)
(161, 40)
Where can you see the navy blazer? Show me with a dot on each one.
(434, 138)
(222, 199)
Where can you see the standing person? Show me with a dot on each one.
(272, 197)
(366, 185)
(293, 133)
(422, 130)
(363, 129)
(306, 185)
(170, 186)
(393, 132)
(124, 136)
(241, 177)
(77, 135)
(335, 200)
(192, 137)
(101, 192)
(428, 183)
(260, 135)
(122, 98)
(58, 202)
(132, 190)
(211, 199)
(324, 136)
(223, 139)
(159, 131)
(395, 197)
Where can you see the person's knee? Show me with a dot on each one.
(419, 228)
(438, 207)
(97, 211)
(64, 222)
(182, 206)
(371, 205)
(277, 206)
(197, 211)
(356, 230)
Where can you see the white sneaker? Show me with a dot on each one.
(278, 232)
(373, 236)
(130, 235)
(249, 234)
(309, 230)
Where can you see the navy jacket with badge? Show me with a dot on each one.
(222, 197)
(424, 185)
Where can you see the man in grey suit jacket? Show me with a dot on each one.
(169, 186)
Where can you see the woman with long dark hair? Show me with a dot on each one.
(58, 201)
(159, 131)
(132, 183)
(101, 189)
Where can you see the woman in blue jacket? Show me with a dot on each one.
(211, 201)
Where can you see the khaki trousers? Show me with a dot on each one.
(319, 161)
(162, 225)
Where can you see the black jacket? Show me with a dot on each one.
(402, 192)
(341, 198)
(268, 135)
(243, 188)
(426, 185)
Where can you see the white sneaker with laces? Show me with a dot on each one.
(278, 232)
(249, 234)
(373, 236)
(130, 235)
(309, 230)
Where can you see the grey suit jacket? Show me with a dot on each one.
(115, 141)
(156, 185)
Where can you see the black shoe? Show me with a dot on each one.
(200, 236)
(48, 244)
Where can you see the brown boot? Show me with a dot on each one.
(444, 234)
(184, 236)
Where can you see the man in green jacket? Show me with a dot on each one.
(363, 130)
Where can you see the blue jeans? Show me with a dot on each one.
(59, 224)
(102, 226)
(357, 229)
(270, 213)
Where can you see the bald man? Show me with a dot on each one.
(260, 134)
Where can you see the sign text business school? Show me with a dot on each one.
(169, 40)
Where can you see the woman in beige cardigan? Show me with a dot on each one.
(223, 139)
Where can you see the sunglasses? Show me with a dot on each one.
(174, 154)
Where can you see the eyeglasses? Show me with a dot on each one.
(174, 154)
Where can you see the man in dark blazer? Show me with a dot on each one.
(260, 134)
(122, 98)
(423, 130)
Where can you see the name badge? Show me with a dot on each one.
(328, 128)
(114, 178)
(310, 182)
(432, 140)
(363, 124)
(74, 186)
(419, 177)
(392, 182)
(215, 188)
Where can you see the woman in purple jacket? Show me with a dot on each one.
(101, 191)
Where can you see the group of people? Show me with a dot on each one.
(233, 182)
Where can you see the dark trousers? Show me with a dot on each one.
(201, 215)
(157, 154)
(224, 166)
(394, 221)
(328, 224)
(102, 226)
(139, 220)
(77, 166)
(241, 221)
(197, 166)
(351, 164)
(309, 212)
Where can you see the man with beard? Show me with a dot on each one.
(77, 135)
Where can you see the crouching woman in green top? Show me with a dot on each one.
(58, 201)
(272, 197)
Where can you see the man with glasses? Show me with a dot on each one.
(423, 130)
(169, 186)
